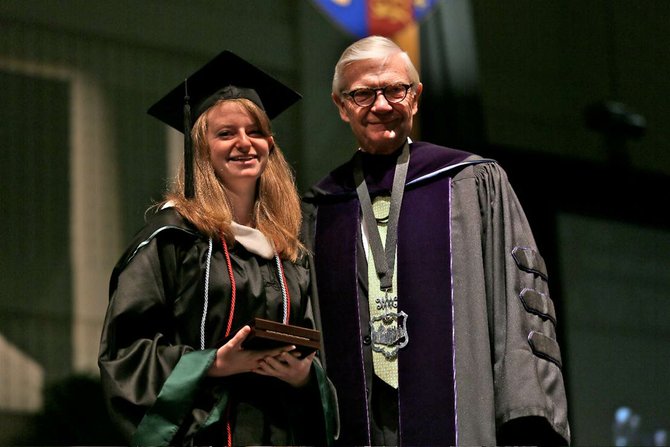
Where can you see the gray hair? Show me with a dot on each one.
(371, 47)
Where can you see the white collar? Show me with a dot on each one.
(253, 240)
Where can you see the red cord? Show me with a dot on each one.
(232, 285)
(233, 294)
(229, 431)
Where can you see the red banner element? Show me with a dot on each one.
(387, 17)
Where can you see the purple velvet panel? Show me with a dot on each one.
(335, 258)
(426, 390)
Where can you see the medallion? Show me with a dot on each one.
(388, 332)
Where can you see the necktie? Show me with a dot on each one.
(381, 303)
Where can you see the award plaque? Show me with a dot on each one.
(268, 334)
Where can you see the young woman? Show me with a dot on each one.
(223, 248)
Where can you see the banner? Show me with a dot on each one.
(375, 17)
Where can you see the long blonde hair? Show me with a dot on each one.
(276, 212)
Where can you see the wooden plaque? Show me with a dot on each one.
(268, 334)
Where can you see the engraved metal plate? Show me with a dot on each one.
(389, 333)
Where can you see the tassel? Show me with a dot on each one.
(189, 187)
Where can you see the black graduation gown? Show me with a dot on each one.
(170, 300)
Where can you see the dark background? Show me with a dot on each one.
(570, 96)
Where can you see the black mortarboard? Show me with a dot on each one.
(227, 76)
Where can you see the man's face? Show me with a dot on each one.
(382, 127)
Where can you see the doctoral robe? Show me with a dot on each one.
(482, 365)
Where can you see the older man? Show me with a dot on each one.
(437, 322)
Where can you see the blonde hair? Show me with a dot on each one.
(277, 213)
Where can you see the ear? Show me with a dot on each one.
(341, 107)
(271, 143)
(417, 94)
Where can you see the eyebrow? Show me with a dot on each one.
(381, 85)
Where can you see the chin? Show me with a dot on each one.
(382, 145)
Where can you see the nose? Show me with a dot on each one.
(380, 102)
(243, 140)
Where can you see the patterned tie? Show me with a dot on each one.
(386, 369)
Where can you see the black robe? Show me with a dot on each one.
(168, 311)
(482, 366)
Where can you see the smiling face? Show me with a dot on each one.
(381, 127)
(238, 146)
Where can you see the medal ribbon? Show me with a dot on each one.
(384, 347)
(383, 255)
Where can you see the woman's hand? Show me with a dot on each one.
(287, 366)
(231, 358)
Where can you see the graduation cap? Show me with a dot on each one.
(227, 76)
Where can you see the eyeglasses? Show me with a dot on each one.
(393, 93)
